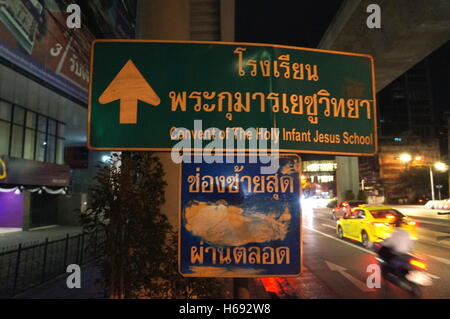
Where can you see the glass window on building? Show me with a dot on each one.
(32, 136)
(60, 151)
(4, 137)
(5, 111)
(60, 143)
(61, 129)
(41, 146)
(51, 127)
(19, 115)
(31, 120)
(51, 148)
(30, 141)
(42, 124)
(17, 141)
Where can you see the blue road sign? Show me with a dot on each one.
(237, 222)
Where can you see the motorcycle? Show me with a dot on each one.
(406, 271)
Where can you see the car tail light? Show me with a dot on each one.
(377, 224)
(412, 223)
(418, 264)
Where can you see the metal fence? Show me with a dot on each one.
(28, 266)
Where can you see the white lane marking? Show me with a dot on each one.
(431, 223)
(340, 240)
(358, 283)
(329, 226)
(442, 260)
(360, 248)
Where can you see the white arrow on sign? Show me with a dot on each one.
(358, 283)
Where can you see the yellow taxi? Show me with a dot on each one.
(369, 224)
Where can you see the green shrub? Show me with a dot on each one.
(140, 257)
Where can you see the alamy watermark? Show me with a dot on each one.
(73, 21)
(227, 146)
(74, 279)
(374, 19)
(374, 279)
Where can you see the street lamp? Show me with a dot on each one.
(405, 157)
(439, 166)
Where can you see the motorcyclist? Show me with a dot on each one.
(400, 241)
(395, 249)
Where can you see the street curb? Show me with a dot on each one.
(258, 291)
(305, 286)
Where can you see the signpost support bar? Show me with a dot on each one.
(240, 288)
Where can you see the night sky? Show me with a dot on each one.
(440, 77)
(302, 23)
(296, 23)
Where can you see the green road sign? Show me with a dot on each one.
(308, 100)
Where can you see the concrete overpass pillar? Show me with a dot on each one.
(347, 176)
(163, 19)
(166, 20)
(410, 31)
(171, 20)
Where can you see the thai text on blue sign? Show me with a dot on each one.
(237, 222)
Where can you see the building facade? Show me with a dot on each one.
(406, 105)
(408, 123)
(44, 78)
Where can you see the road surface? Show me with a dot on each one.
(341, 265)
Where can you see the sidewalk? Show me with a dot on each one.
(92, 287)
(419, 211)
(13, 239)
(306, 286)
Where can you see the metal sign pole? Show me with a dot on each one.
(240, 288)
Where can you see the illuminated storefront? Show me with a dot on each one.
(319, 178)
(29, 192)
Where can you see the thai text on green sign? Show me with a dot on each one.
(310, 100)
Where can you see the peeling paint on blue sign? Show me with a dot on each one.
(237, 222)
